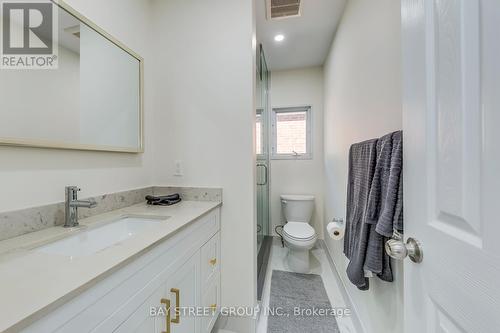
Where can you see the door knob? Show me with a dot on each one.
(397, 249)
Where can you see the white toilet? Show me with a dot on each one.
(298, 235)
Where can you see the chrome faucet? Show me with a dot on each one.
(71, 206)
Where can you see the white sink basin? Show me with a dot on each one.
(93, 240)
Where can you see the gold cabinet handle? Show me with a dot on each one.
(213, 306)
(213, 261)
(167, 320)
(177, 310)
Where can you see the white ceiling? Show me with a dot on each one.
(307, 38)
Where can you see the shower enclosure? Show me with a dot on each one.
(263, 167)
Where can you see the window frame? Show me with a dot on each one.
(309, 144)
(264, 147)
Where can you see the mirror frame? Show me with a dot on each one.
(41, 143)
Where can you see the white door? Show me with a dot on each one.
(451, 108)
(181, 291)
(184, 292)
(141, 321)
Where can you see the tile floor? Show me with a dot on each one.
(320, 265)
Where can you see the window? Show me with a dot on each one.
(292, 133)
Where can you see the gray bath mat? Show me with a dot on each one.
(294, 296)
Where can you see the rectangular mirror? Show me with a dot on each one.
(93, 100)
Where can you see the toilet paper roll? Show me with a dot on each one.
(336, 230)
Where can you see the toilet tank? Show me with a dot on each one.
(297, 208)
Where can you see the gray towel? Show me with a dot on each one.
(362, 162)
(385, 207)
(397, 156)
(385, 203)
(398, 214)
(376, 260)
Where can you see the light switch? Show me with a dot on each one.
(179, 169)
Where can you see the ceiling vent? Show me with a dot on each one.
(278, 9)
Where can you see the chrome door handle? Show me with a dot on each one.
(265, 174)
(397, 249)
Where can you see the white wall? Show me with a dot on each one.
(363, 101)
(204, 87)
(299, 87)
(32, 177)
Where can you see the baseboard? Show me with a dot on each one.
(355, 318)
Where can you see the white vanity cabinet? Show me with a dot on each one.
(183, 270)
(150, 316)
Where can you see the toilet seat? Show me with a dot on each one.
(299, 231)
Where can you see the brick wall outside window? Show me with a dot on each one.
(291, 132)
(258, 135)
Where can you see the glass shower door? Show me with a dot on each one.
(262, 199)
(262, 149)
(262, 121)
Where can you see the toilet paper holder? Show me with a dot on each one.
(339, 221)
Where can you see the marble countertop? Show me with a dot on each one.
(33, 284)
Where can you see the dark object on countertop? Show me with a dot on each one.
(164, 200)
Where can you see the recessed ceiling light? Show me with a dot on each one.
(279, 38)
